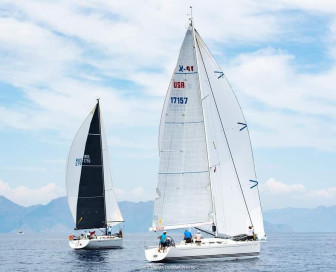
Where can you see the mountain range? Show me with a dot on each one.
(56, 217)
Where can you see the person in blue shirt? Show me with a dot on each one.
(187, 236)
(163, 241)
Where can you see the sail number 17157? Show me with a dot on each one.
(178, 100)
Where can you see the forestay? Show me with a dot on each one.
(183, 196)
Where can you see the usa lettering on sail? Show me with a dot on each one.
(179, 84)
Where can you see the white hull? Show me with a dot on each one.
(212, 248)
(100, 242)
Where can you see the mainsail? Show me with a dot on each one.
(183, 190)
(208, 134)
(89, 185)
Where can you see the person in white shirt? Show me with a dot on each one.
(109, 230)
(250, 234)
(198, 238)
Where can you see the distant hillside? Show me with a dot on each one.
(56, 217)
(320, 219)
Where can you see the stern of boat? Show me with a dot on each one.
(79, 244)
(153, 254)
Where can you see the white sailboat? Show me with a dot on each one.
(90, 191)
(20, 230)
(206, 176)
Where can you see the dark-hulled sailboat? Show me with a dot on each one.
(90, 192)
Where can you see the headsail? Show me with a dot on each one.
(233, 177)
(183, 190)
(206, 164)
(89, 185)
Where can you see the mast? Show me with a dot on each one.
(102, 162)
(183, 178)
(207, 148)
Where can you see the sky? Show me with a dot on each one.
(58, 56)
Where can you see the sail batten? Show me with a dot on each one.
(186, 225)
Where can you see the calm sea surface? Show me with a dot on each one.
(51, 252)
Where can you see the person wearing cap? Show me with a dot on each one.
(198, 238)
(187, 236)
(163, 241)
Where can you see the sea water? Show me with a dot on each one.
(51, 252)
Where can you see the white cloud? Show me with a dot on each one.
(286, 108)
(276, 187)
(323, 193)
(61, 66)
(25, 196)
(61, 55)
(277, 194)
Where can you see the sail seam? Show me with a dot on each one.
(177, 173)
(184, 122)
(90, 196)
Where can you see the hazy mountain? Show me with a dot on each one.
(320, 219)
(56, 217)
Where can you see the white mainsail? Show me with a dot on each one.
(74, 169)
(183, 190)
(206, 172)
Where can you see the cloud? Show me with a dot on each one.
(99, 47)
(285, 107)
(277, 194)
(124, 53)
(25, 196)
(323, 193)
(276, 187)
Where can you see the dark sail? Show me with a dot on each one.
(91, 197)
